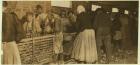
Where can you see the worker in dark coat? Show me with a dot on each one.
(12, 33)
(103, 32)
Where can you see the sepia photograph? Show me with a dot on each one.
(69, 32)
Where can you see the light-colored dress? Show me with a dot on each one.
(58, 47)
(85, 46)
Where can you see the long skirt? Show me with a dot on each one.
(11, 53)
(84, 48)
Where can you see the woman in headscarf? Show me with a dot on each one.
(84, 50)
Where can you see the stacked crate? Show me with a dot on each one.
(36, 50)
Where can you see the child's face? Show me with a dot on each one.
(30, 18)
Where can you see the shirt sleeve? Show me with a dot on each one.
(19, 28)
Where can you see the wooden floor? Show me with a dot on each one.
(128, 56)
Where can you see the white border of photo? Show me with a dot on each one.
(69, 0)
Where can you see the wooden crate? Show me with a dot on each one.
(36, 50)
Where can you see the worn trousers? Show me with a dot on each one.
(103, 38)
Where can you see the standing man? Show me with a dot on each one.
(103, 32)
(12, 33)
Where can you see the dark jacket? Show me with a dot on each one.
(102, 20)
(84, 21)
(12, 29)
(116, 25)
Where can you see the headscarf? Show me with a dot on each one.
(80, 9)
